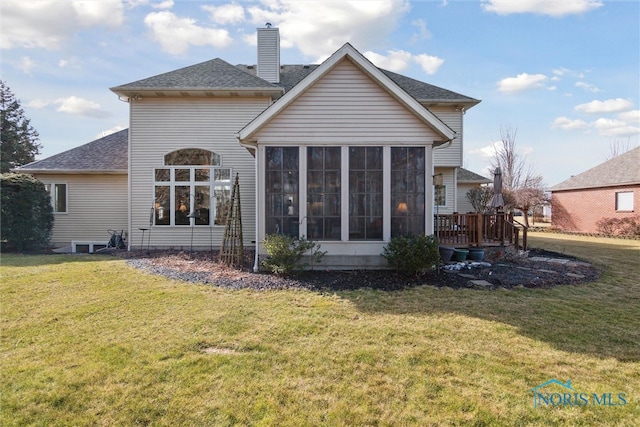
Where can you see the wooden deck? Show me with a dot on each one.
(469, 230)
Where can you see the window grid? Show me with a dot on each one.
(282, 190)
(191, 196)
(365, 193)
(407, 191)
(323, 193)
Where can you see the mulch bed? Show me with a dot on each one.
(204, 267)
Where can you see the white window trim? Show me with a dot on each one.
(192, 183)
(52, 196)
(386, 195)
(626, 202)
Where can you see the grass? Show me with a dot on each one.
(86, 340)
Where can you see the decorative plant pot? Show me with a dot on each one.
(461, 254)
(476, 254)
(445, 253)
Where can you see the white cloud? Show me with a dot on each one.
(399, 60)
(423, 32)
(396, 60)
(80, 107)
(486, 152)
(176, 34)
(632, 116)
(553, 8)
(566, 123)
(226, 14)
(46, 24)
(161, 4)
(320, 30)
(166, 4)
(615, 128)
(609, 106)
(521, 82)
(90, 13)
(588, 87)
(37, 103)
(430, 64)
(26, 64)
(68, 63)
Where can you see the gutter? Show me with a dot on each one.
(72, 171)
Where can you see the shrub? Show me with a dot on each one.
(412, 255)
(27, 215)
(628, 226)
(285, 253)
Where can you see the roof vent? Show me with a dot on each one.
(269, 54)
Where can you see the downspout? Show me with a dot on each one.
(256, 266)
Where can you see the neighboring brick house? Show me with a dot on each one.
(609, 190)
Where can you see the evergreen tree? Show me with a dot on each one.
(18, 139)
(26, 215)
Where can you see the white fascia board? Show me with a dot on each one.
(366, 66)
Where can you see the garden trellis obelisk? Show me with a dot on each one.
(232, 251)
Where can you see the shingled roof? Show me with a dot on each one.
(621, 170)
(291, 75)
(105, 155)
(466, 176)
(209, 75)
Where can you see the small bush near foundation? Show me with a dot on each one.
(629, 226)
(412, 255)
(285, 253)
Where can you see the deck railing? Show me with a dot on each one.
(479, 230)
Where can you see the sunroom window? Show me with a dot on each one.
(323, 193)
(191, 189)
(365, 193)
(407, 191)
(282, 191)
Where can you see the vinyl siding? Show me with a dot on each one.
(450, 155)
(346, 107)
(159, 126)
(448, 179)
(464, 205)
(95, 203)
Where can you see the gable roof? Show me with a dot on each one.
(466, 176)
(210, 78)
(621, 170)
(291, 75)
(104, 155)
(348, 51)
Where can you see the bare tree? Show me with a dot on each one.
(523, 189)
(479, 197)
(618, 146)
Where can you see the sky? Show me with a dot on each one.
(563, 75)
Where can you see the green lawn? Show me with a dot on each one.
(86, 340)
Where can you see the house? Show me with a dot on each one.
(342, 152)
(465, 181)
(88, 187)
(609, 190)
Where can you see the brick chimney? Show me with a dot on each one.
(269, 54)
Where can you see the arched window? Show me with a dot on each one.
(191, 189)
(192, 157)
